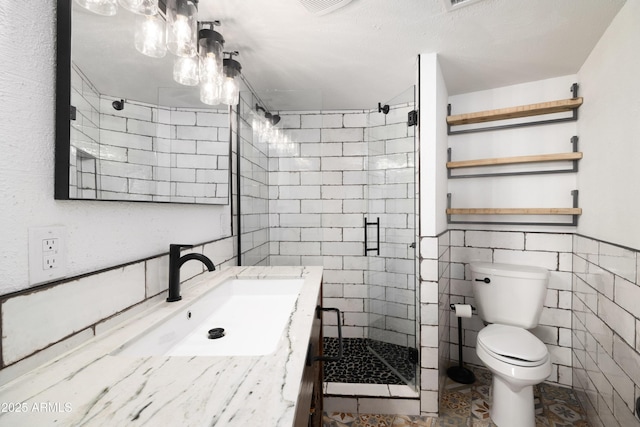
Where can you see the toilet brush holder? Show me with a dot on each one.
(459, 373)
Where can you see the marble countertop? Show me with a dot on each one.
(90, 386)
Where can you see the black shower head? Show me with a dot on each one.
(118, 105)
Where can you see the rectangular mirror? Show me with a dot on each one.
(125, 130)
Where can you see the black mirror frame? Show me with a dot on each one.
(63, 100)
(65, 112)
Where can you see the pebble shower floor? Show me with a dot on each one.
(360, 365)
(467, 405)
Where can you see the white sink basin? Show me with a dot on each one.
(253, 313)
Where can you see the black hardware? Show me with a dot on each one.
(366, 224)
(175, 262)
(412, 118)
(572, 118)
(453, 307)
(574, 90)
(216, 333)
(383, 108)
(72, 112)
(459, 373)
(485, 280)
(414, 355)
(118, 105)
(340, 345)
(413, 245)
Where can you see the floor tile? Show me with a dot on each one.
(465, 405)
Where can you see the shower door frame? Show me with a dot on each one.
(391, 275)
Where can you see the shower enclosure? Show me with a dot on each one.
(303, 199)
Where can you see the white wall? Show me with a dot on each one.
(433, 147)
(610, 128)
(99, 234)
(526, 191)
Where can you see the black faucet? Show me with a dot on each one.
(175, 262)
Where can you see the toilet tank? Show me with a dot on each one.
(509, 294)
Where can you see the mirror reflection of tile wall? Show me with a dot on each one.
(145, 152)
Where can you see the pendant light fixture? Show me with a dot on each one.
(231, 82)
(197, 46)
(101, 7)
(141, 7)
(150, 36)
(182, 27)
(210, 45)
(185, 71)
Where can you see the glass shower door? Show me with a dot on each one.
(391, 236)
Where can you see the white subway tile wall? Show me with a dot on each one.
(254, 190)
(145, 152)
(317, 205)
(85, 307)
(527, 248)
(606, 331)
(84, 137)
(434, 319)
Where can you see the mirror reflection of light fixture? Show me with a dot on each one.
(185, 71)
(141, 7)
(231, 81)
(210, 44)
(101, 7)
(182, 27)
(150, 36)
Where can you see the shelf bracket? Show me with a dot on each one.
(574, 219)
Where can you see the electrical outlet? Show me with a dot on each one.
(47, 254)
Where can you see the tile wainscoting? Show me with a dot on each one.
(41, 323)
(590, 320)
(548, 250)
(606, 331)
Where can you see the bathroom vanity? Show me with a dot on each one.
(102, 384)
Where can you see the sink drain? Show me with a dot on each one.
(216, 333)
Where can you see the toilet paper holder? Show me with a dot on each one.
(453, 307)
(459, 373)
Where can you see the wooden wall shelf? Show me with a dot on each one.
(574, 212)
(515, 160)
(515, 112)
(564, 105)
(514, 211)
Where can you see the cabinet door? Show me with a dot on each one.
(309, 405)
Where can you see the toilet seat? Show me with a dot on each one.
(513, 345)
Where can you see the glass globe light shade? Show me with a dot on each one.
(150, 36)
(185, 71)
(182, 27)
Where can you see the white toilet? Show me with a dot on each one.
(510, 298)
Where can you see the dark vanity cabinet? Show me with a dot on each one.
(309, 407)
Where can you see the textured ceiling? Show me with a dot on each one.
(366, 52)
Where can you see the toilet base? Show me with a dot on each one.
(512, 408)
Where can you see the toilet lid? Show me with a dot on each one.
(520, 346)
